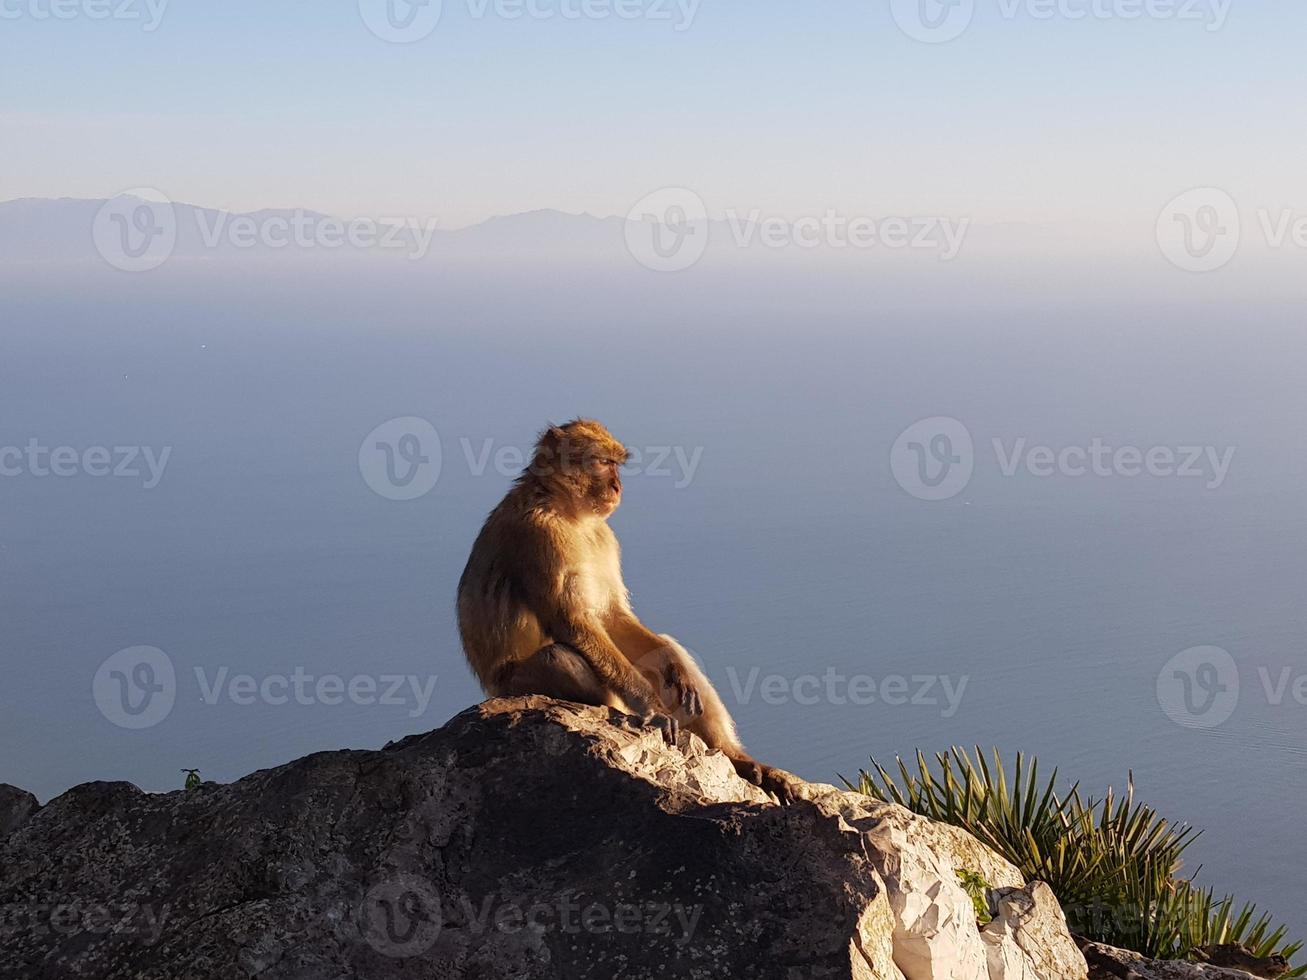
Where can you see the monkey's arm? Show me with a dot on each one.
(589, 638)
(678, 687)
(631, 636)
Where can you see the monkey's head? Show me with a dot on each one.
(580, 463)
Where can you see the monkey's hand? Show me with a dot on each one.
(684, 693)
(642, 700)
(665, 724)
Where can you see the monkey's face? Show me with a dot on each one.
(582, 461)
(605, 483)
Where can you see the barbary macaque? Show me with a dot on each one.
(542, 608)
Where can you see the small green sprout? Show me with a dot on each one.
(976, 886)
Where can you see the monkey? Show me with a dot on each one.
(543, 608)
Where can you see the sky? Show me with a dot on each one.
(1039, 110)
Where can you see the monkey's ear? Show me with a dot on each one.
(550, 443)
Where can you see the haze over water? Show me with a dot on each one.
(839, 613)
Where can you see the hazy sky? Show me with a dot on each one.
(1039, 110)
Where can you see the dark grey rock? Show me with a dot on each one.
(16, 806)
(527, 838)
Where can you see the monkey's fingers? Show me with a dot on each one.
(666, 724)
(691, 703)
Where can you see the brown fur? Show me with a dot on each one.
(542, 608)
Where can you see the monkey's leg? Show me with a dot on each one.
(555, 671)
(714, 724)
(558, 671)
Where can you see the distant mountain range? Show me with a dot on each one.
(43, 229)
(133, 232)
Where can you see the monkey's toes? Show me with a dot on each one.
(781, 784)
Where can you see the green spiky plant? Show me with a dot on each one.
(1113, 863)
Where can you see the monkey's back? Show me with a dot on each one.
(495, 620)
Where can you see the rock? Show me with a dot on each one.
(16, 806)
(528, 838)
(1237, 957)
(936, 934)
(1110, 963)
(1028, 936)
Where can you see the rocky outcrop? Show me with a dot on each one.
(1109, 963)
(16, 806)
(528, 838)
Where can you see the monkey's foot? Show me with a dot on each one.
(781, 784)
